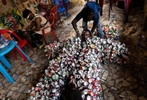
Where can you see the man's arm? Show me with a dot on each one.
(74, 22)
(37, 24)
(93, 29)
(30, 26)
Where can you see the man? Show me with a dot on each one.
(35, 28)
(91, 11)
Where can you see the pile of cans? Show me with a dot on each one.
(82, 60)
(107, 50)
(110, 31)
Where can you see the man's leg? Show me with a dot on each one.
(100, 32)
(99, 28)
(36, 39)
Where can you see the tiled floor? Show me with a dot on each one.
(123, 82)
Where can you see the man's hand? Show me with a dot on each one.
(95, 34)
(77, 33)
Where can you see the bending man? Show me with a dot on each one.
(91, 11)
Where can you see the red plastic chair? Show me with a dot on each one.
(21, 43)
(53, 10)
(50, 29)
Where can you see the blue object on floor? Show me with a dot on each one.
(5, 62)
(5, 73)
(23, 53)
(7, 49)
(61, 9)
(4, 51)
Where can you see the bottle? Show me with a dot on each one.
(3, 41)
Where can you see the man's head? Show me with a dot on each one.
(72, 85)
(27, 14)
(86, 34)
(88, 14)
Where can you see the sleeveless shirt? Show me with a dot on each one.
(44, 23)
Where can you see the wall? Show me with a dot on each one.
(9, 4)
(12, 18)
(5, 8)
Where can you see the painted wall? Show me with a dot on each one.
(10, 16)
(5, 7)
(9, 4)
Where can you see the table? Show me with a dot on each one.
(6, 50)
